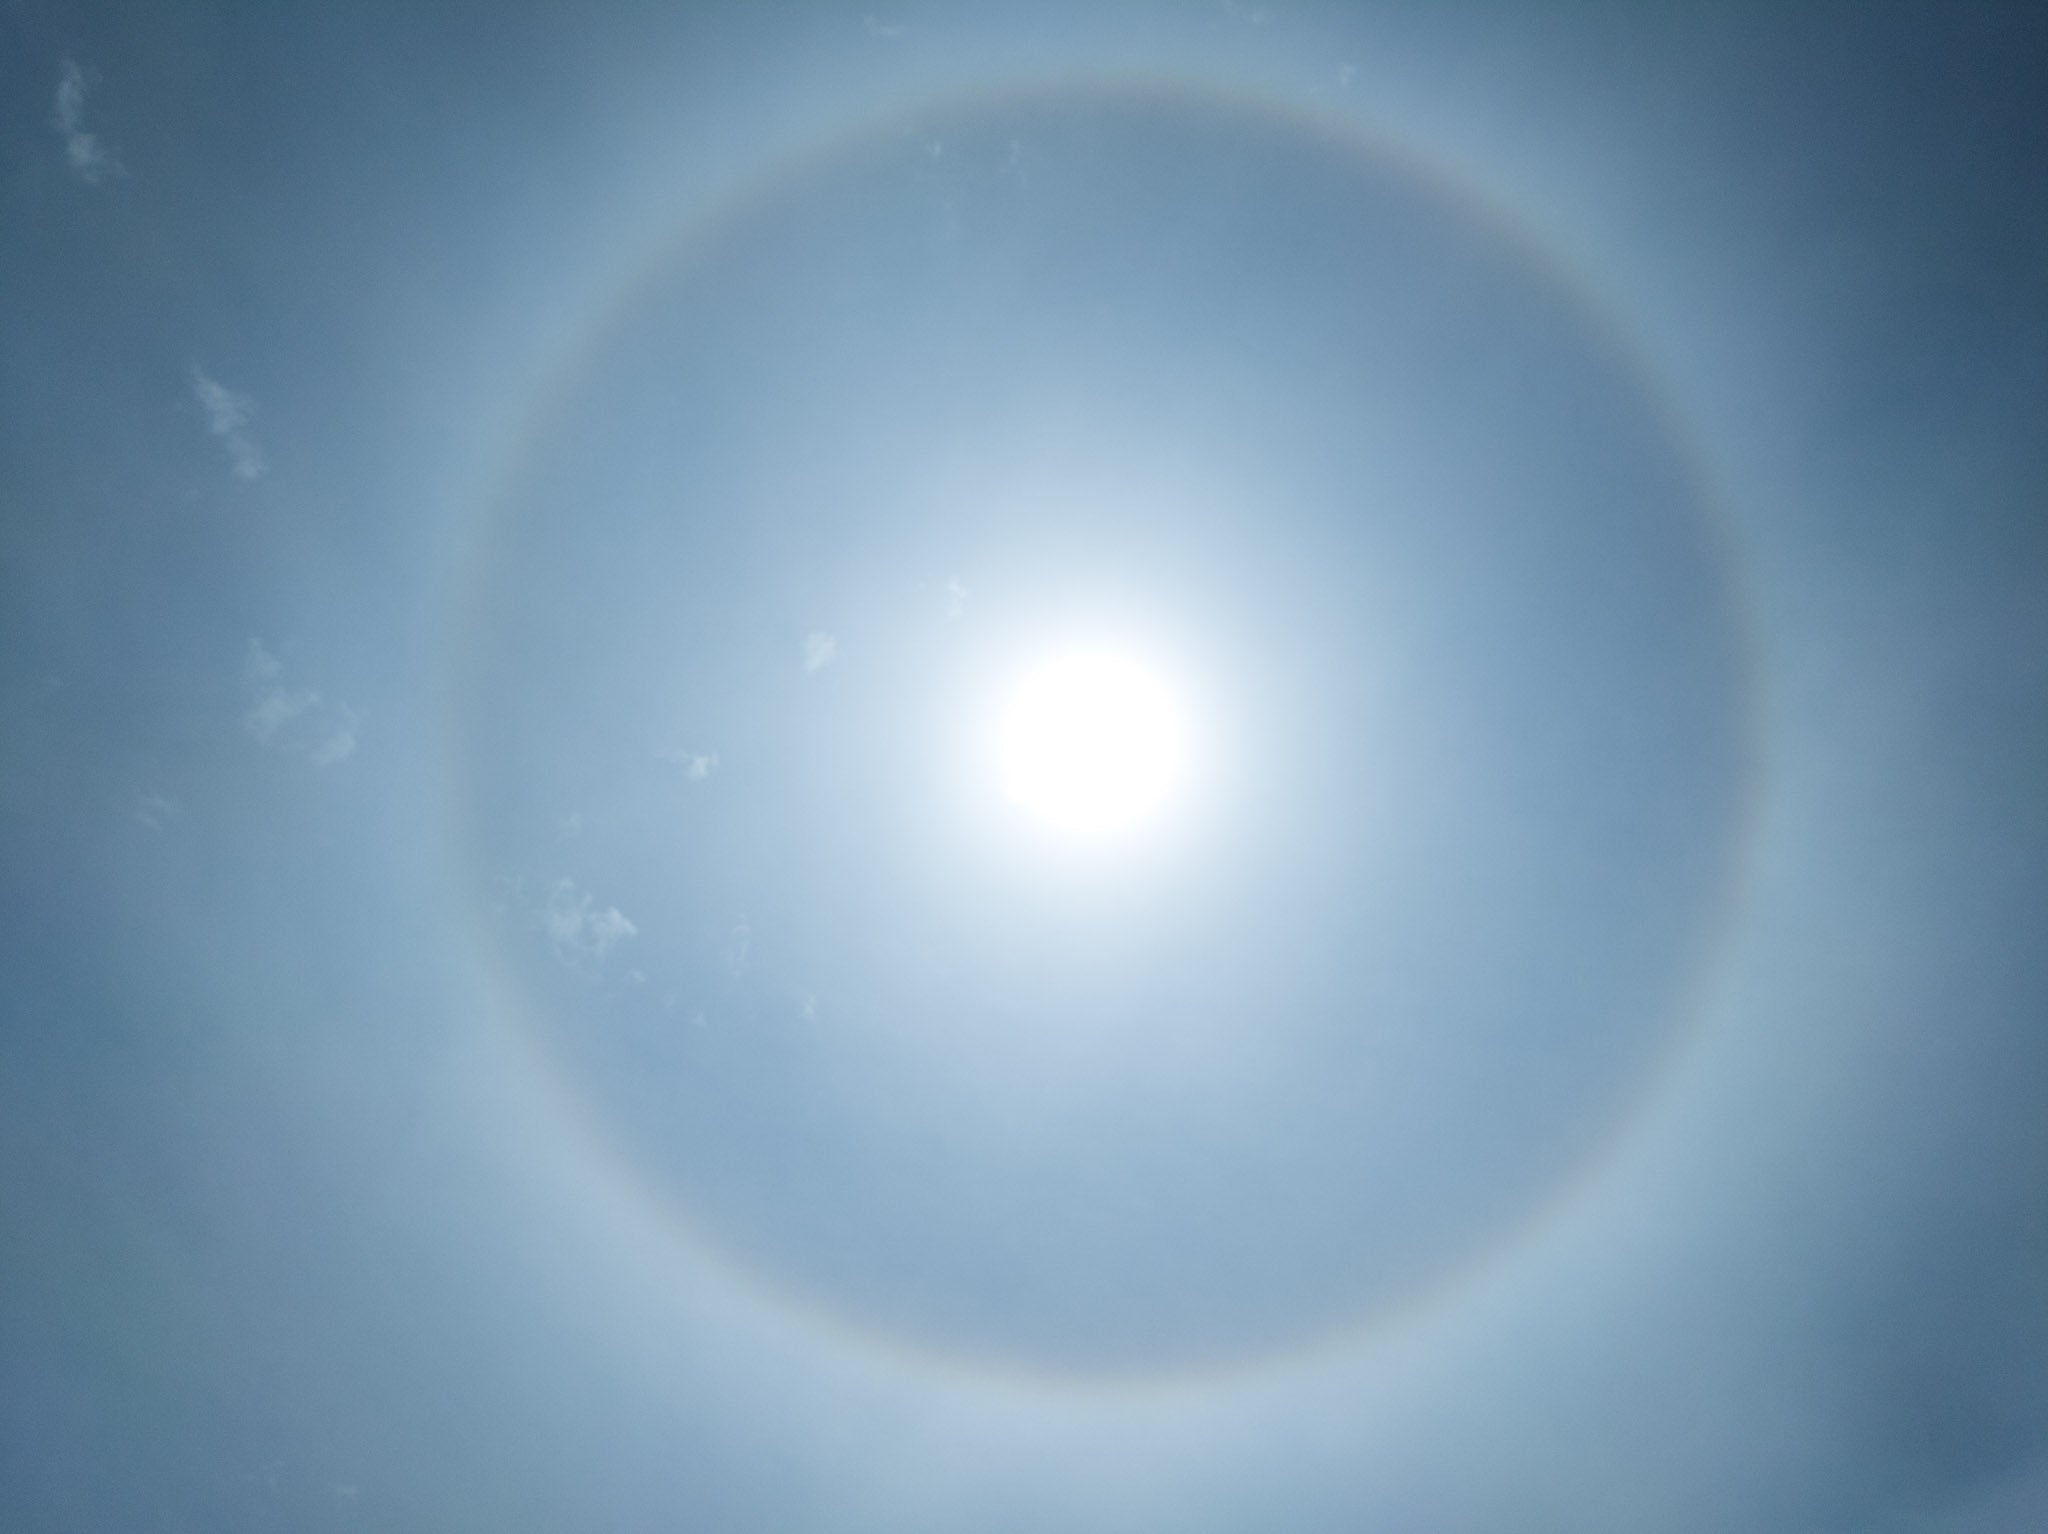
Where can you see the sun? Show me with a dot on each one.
(1092, 743)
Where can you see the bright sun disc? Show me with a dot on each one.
(1092, 743)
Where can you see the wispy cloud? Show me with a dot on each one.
(956, 597)
(820, 650)
(581, 932)
(696, 766)
(295, 720)
(154, 810)
(227, 418)
(91, 160)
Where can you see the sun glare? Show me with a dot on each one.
(1092, 743)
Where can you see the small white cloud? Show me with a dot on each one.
(258, 664)
(297, 721)
(956, 597)
(820, 650)
(227, 418)
(737, 943)
(337, 735)
(91, 160)
(275, 708)
(695, 765)
(579, 931)
(877, 27)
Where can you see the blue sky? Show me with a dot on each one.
(527, 1003)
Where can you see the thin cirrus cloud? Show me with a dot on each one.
(820, 650)
(228, 414)
(296, 721)
(581, 932)
(89, 158)
(154, 810)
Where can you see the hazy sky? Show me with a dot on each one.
(528, 1003)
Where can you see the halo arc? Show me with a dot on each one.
(517, 1025)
